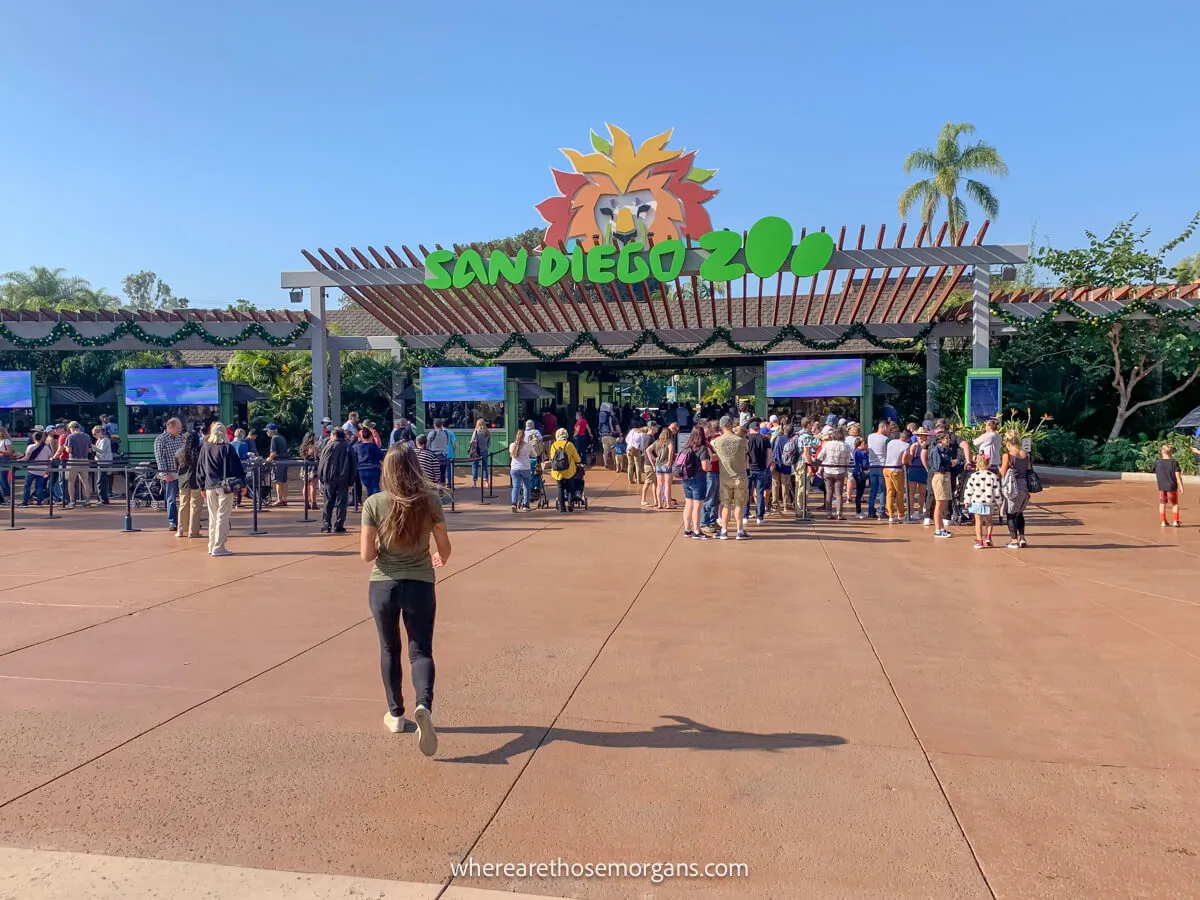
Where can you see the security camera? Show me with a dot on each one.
(296, 295)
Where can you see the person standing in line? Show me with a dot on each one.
(438, 443)
(836, 460)
(427, 460)
(731, 450)
(278, 452)
(77, 456)
(983, 498)
(37, 455)
(877, 452)
(1170, 486)
(782, 475)
(635, 459)
(337, 470)
(6, 457)
(519, 470)
(397, 526)
(939, 456)
(896, 456)
(989, 443)
(650, 482)
(478, 451)
(758, 451)
(351, 425)
(241, 446)
(860, 474)
(308, 454)
(918, 476)
(695, 484)
(369, 458)
(583, 435)
(219, 472)
(664, 454)
(103, 452)
(187, 462)
(712, 494)
(1014, 489)
(166, 448)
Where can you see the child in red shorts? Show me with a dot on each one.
(1170, 485)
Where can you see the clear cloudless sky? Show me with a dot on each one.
(210, 142)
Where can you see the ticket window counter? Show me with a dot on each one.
(798, 408)
(460, 417)
(145, 423)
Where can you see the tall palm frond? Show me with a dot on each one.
(948, 164)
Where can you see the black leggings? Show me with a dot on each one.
(1016, 525)
(414, 601)
(860, 485)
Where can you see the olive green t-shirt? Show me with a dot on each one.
(409, 563)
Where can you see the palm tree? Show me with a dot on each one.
(45, 288)
(947, 164)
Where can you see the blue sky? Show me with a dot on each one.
(211, 142)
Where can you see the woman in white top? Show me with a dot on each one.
(104, 457)
(988, 443)
(519, 471)
(6, 456)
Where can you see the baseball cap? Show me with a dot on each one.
(773, 418)
(325, 420)
(272, 427)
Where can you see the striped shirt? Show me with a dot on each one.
(165, 447)
(430, 465)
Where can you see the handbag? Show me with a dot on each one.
(229, 485)
(1033, 484)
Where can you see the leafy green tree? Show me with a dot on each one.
(242, 305)
(948, 164)
(45, 288)
(147, 291)
(1138, 350)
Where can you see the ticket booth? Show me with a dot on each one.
(461, 395)
(197, 397)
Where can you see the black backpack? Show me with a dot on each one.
(560, 462)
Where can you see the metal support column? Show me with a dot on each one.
(335, 383)
(981, 319)
(933, 368)
(397, 386)
(320, 371)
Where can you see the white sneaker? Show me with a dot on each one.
(426, 733)
(941, 533)
(222, 552)
(758, 521)
(928, 521)
(894, 521)
(395, 724)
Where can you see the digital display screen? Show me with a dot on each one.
(451, 383)
(815, 378)
(16, 390)
(983, 398)
(172, 387)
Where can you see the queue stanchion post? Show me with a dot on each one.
(304, 483)
(801, 507)
(491, 474)
(907, 497)
(450, 480)
(50, 482)
(255, 497)
(12, 498)
(128, 529)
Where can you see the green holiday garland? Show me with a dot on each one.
(66, 331)
(1075, 310)
(718, 336)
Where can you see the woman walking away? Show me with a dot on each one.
(370, 462)
(583, 436)
(397, 524)
(37, 455)
(695, 483)
(564, 460)
(6, 458)
(481, 446)
(1014, 488)
(219, 474)
(189, 487)
(983, 498)
(860, 474)
(663, 448)
(520, 471)
(837, 460)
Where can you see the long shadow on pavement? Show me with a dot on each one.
(684, 734)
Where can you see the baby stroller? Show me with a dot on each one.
(537, 488)
(578, 496)
(958, 504)
(148, 491)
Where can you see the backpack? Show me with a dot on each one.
(687, 464)
(605, 427)
(560, 462)
(790, 455)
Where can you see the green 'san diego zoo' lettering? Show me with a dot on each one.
(767, 250)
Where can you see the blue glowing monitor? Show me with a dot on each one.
(172, 387)
(815, 378)
(16, 390)
(455, 383)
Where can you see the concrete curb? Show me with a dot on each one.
(1102, 475)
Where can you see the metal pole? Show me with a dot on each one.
(981, 319)
(933, 368)
(907, 497)
(304, 483)
(320, 361)
(128, 505)
(50, 484)
(12, 497)
(254, 530)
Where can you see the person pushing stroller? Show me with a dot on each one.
(564, 463)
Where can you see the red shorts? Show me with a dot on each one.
(1169, 498)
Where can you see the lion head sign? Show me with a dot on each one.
(620, 194)
(628, 214)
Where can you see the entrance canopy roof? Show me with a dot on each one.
(887, 290)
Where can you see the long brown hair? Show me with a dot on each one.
(410, 499)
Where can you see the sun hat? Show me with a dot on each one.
(922, 432)
(325, 420)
